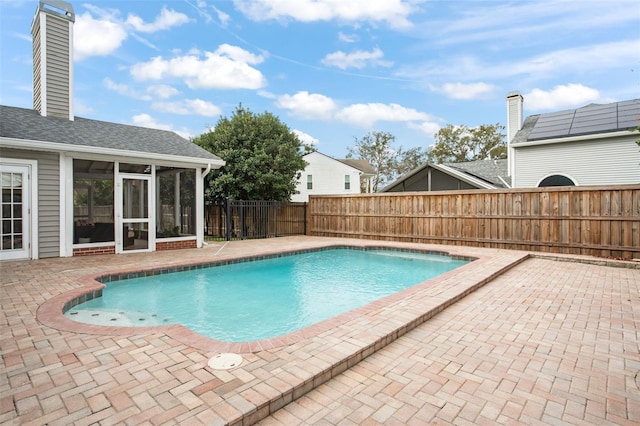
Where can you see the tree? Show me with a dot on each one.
(263, 157)
(456, 144)
(388, 162)
(410, 159)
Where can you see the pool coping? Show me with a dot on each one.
(51, 313)
(317, 353)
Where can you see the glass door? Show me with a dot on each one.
(15, 217)
(135, 224)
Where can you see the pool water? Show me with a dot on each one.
(265, 298)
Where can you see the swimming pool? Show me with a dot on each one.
(265, 298)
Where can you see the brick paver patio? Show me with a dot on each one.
(545, 342)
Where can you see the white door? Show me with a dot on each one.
(16, 217)
(134, 226)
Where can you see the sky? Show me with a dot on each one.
(334, 70)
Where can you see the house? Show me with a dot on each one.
(325, 175)
(480, 174)
(74, 186)
(591, 145)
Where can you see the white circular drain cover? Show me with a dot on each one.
(225, 361)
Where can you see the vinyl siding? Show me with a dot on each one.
(57, 67)
(610, 161)
(37, 90)
(439, 182)
(48, 198)
(328, 178)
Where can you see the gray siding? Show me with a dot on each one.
(609, 161)
(57, 67)
(48, 198)
(439, 182)
(37, 52)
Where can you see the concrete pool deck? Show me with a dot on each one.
(544, 341)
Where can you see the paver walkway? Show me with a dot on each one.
(518, 339)
(546, 343)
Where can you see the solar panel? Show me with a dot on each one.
(590, 119)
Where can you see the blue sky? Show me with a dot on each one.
(333, 70)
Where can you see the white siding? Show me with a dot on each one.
(328, 177)
(48, 198)
(609, 161)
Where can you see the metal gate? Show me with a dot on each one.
(242, 219)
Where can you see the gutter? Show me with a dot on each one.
(111, 152)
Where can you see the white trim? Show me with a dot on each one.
(150, 220)
(32, 203)
(575, 181)
(43, 61)
(575, 138)
(159, 159)
(200, 205)
(71, 116)
(174, 239)
(66, 206)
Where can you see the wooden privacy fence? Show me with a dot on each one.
(599, 221)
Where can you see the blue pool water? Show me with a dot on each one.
(265, 298)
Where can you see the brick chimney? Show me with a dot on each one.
(514, 123)
(52, 31)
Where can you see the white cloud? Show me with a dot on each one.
(125, 90)
(466, 91)
(347, 38)
(145, 120)
(308, 105)
(429, 128)
(188, 107)
(100, 32)
(394, 12)
(305, 138)
(562, 96)
(357, 59)
(167, 19)
(224, 18)
(229, 67)
(595, 58)
(366, 115)
(96, 37)
(162, 91)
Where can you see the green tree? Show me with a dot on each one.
(263, 157)
(410, 159)
(388, 162)
(456, 144)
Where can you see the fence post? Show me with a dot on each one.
(304, 226)
(275, 219)
(227, 218)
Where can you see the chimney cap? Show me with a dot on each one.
(513, 94)
(59, 8)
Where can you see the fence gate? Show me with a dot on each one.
(241, 219)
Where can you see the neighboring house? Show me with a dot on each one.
(73, 186)
(481, 174)
(324, 175)
(591, 145)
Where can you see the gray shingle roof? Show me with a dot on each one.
(21, 123)
(490, 171)
(362, 165)
(588, 120)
